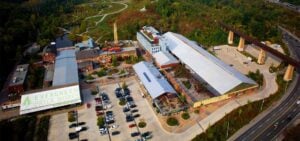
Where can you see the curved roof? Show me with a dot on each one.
(152, 79)
(220, 76)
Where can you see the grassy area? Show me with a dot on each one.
(240, 116)
(257, 77)
(112, 8)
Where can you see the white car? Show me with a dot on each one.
(298, 102)
(113, 127)
(79, 128)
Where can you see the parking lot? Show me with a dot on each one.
(59, 128)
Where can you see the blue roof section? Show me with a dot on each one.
(65, 71)
(63, 41)
(152, 79)
(88, 43)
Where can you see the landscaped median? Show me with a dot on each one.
(240, 116)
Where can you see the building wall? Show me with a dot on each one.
(106, 58)
(225, 96)
(168, 66)
(87, 68)
(151, 48)
(49, 57)
(210, 100)
(16, 89)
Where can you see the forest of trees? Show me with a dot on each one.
(36, 20)
(25, 22)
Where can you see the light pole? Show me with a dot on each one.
(227, 132)
(262, 104)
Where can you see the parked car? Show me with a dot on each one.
(113, 127)
(129, 118)
(83, 129)
(100, 113)
(134, 110)
(147, 135)
(129, 99)
(132, 105)
(110, 122)
(136, 115)
(88, 105)
(118, 90)
(119, 95)
(97, 99)
(132, 125)
(109, 113)
(126, 91)
(72, 125)
(81, 123)
(134, 134)
(98, 108)
(126, 109)
(105, 97)
(115, 133)
(73, 135)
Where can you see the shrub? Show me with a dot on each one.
(196, 111)
(185, 116)
(71, 117)
(100, 121)
(142, 124)
(122, 102)
(172, 121)
(101, 73)
(124, 85)
(257, 77)
(89, 77)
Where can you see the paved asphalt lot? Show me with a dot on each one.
(59, 126)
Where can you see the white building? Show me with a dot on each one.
(149, 37)
(222, 78)
(155, 83)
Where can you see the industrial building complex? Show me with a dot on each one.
(65, 86)
(220, 79)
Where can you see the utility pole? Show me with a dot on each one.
(286, 86)
(262, 104)
(227, 129)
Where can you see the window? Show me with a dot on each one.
(146, 76)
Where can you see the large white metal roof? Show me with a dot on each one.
(216, 73)
(152, 79)
(164, 58)
(48, 99)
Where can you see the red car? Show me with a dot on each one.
(88, 105)
(132, 125)
(100, 113)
